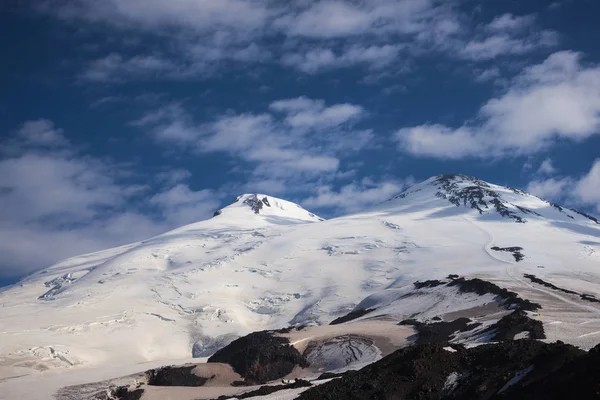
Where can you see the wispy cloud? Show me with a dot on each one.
(58, 202)
(559, 98)
(297, 137)
(546, 167)
(357, 195)
(578, 191)
(310, 36)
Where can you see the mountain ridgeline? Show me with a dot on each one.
(434, 275)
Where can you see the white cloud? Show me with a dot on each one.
(39, 134)
(198, 36)
(306, 113)
(355, 196)
(174, 176)
(337, 19)
(319, 59)
(506, 35)
(510, 22)
(587, 189)
(487, 74)
(559, 98)
(546, 167)
(180, 205)
(327, 19)
(505, 44)
(578, 191)
(114, 67)
(198, 15)
(298, 140)
(58, 202)
(299, 135)
(440, 141)
(551, 188)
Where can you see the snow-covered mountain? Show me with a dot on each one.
(266, 263)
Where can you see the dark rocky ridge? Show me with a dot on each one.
(473, 196)
(260, 357)
(514, 323)
(440, 332)
(587, 216)
(509, 300)
(549, 371)
(586, 297)
(351, 315)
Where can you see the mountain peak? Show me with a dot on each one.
(486, 198)
(267, 206)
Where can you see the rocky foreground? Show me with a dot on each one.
(473, 356)
(521, 369)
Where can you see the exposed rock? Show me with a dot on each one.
(440, 332)
(175, 376)
(586, 297)
(587, 216)
(255, 204)
(509, 299)
(475, 195)
(539, 281)
(516, 252)
(515, 323)
(534, 369)
(330, 375)
(351, 316)
(260, 356)
(430, 283)
(125, 393)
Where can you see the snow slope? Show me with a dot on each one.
(265, 263)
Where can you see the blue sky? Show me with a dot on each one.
(122, 119)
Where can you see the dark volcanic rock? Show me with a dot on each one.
(547, 371)
(475, 195)
(260, 357)
(330, 375)
(514, 323)
(587, 216)
(586, 297)
(440, 332)
(430, 283)
(481, 287)
(539, 281)
(123, 393)
(516, 251)
(351, 316)
(254, 203)
(174, 376)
